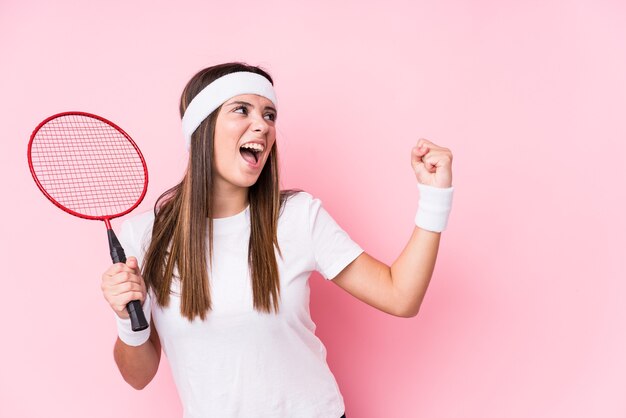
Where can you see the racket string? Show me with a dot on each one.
(87, 165)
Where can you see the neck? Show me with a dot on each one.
(228, 200)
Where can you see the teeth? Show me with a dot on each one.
(253, 146)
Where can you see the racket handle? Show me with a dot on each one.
(137, 318)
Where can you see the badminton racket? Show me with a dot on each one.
(90, 168)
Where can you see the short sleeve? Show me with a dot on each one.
(332, 247)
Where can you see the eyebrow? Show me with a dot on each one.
(239, 102)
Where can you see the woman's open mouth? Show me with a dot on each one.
(251, 152)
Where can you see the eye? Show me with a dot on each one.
(271, 116)
(243, 108)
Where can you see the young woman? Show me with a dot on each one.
(222, 263)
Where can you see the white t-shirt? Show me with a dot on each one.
(239, 363)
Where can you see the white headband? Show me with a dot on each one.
(220, 90)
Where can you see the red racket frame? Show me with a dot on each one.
(105, 218)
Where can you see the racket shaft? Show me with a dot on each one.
(137, 318)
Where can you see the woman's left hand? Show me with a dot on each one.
(432, 164)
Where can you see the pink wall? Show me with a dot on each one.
(525, 313)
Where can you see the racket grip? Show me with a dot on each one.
(137, 318)
(117, 252)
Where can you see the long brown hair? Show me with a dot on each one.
(184, 212)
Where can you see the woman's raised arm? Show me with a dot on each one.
(400, 288)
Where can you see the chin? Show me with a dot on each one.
(246, 181)
(243, 176)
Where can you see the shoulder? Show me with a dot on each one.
(140, 220)
(135, 227)
(299, 203)
(302, 209)
(295, 210)
(297, 198)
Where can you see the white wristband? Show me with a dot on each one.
(434, 207)
(125, 332)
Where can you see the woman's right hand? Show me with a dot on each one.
(122, 283)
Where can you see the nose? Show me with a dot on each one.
(260, 125)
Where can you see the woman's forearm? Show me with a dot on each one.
(138, 365)
(412, 270)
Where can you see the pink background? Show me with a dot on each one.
(525, 313)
